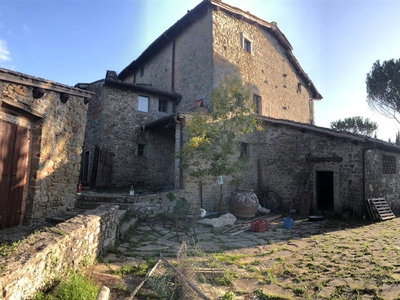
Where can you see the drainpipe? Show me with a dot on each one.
(172, 63)
(173, 67)
(363, 181)
(201, 194)
(180, 147)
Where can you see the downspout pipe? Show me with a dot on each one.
(172, 62)
(364, 181)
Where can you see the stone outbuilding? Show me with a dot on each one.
(42, 126)
(337, 171)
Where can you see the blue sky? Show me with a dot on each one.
(336, 42)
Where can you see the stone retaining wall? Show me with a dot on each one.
(41, 257)
(144, 207)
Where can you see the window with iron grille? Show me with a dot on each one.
(247, 45)
(162, 105)
(388, 164)
(257, 104)
(244, 150)
(141, 150)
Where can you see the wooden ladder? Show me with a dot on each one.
(379, 210)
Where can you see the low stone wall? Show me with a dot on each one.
(43, 256)
(144, 207)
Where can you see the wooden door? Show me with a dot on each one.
(14, 150)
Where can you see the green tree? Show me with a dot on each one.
(213, 140)
(357, 125)
(383, 88)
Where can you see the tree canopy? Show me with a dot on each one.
(357, 125)
(383, 88)
(213, 140)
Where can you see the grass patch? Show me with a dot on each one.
(228, 258)
(74, 287)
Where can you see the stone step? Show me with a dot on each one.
(89, 197)
(121, 214)
(127, 226)
(93, 205)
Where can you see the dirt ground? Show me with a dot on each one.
(333, 259)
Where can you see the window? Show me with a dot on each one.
(244, 150)
(163, 105)
(257, 104)
(299, 87)
(143, 103)
(141, 150)
(141, 72)
(388, 164)
(247, 45)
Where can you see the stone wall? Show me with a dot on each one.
(144, 207)
(42, 257)
(56, 131)
(194, 63)
(285, 159)
(379, 184)
(285, 169)
(93, 126)
(211, 48)
(120, 130)
(193, 69)
(266, 70)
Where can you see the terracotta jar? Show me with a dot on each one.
(243, 203)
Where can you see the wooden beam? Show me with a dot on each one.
(19, 106)
(47, 86)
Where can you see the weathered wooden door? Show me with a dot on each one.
(14, 150)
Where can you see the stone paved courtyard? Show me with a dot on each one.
(330, 259)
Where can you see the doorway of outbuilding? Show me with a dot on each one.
(325, 191)
(14, 151)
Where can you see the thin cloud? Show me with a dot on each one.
(4, 53)
(26, 28)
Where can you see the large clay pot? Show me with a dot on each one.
(243, 203)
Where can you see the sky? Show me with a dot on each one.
(77, 41)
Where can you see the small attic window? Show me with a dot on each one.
(299, 87)
(246, 43)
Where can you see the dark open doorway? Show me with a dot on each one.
(324, 187)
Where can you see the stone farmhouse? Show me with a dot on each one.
(42, 127)
(176, 74)
(139, 115)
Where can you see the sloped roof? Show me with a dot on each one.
(195, 13)
(28, 80)
(352, 137)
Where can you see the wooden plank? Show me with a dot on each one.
(381, 209)
(7, 141)
(369, 209)
(19, 172)
(305, 203)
